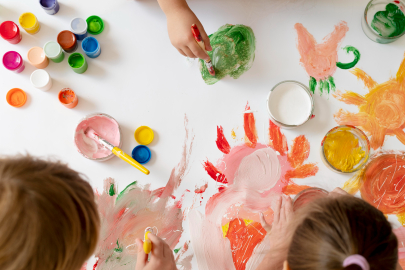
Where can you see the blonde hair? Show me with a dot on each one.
(329, 230)
(48, 216)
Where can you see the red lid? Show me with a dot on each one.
(8, 30)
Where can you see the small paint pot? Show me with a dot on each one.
(68, 98)
(363, 142)
(142, 154)
(29, 22)
(37, 57)
(78, 26)
(383, 21)
(13, 61)
(290, 104)
(16, 97)
(50, 6)
(308, 195)
(54, 51)
(144, 135)
(40, 79)
(91, 47)
(10, 32)
(67, 40)
(77, 62)
(95, 25)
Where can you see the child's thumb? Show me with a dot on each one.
(142, 257)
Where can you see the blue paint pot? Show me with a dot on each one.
(142, 154)
(91, 47)
(50, 6)
(78, 26)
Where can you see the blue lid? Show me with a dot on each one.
(142, 154)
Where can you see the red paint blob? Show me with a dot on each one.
(214, 173)
(250, 128)
(222, 143)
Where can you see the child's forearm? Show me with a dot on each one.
(169, 6)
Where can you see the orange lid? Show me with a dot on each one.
(16, 97)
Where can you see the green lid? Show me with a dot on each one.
(95, 25)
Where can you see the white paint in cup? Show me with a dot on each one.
(40, 79)
(290, 104)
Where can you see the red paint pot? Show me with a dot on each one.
(67, 40)
(10, 32)
(308, 195)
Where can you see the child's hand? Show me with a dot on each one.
(161, 255)
(179, 23)
(338, 192)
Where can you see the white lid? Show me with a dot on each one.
(78, 26)
(40, 78)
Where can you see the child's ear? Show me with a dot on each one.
(286, 266)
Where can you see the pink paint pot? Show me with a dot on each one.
(13, 61)
(107, 127)
(36, 56)
(10, 32)
(308, 195)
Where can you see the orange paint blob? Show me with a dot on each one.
(250, 128)
(299, 151)
(277, 139)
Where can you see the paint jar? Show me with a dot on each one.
(16, 97)
(308, 195)
(13, 61)
(77, 62)
(40, 79)
(10, 32)
(67, 40)
(78, 26)
(68, 98)
(106, 126)
(50, 6)
(54, 51)
(37, 57)
(29, 22)
(91, 47)
(142, 154)
(290, 104)
(95, 25)
(383, 21)
(345, 149)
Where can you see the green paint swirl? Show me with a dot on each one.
(389, 23)
(312, 84)
(233, 52)
(356, 54)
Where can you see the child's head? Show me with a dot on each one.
(330, 230)
(48, 216)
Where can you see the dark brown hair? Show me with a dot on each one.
(329, 230)
(48, 216)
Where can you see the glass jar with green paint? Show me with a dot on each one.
(77, 62)
(384, 21)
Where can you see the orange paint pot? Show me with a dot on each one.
(68, 98)
(36, 56)
(16, 97)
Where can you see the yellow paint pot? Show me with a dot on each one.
(144, 135)
(29, 22)
(345, 149)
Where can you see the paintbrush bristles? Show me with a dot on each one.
(90, 133)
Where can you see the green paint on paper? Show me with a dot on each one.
(233, 52)
(111, 191)
(324, 86)
(312, 84)
(125, 189)
(118, 248)
(177, 250)
(332, 83)
(356, 54)
(389, 23)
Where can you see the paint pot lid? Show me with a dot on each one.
(9, 30)
(142, 154)
(52, 49)
(36, 55)
(39, 78)
(78, 26)
(23, 18)
(74, 57)
(12, 60)
(88, 42)
(16, 97)
(144, 135)
(66, 39)
(66, 96)
(95, 25)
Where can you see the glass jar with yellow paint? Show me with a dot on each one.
(345, 149)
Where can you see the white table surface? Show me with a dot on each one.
(140, 79)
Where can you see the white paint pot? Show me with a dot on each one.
(40, 79)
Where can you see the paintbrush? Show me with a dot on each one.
(147, 244)
(90, 133)
(200, 42)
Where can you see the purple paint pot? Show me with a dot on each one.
(13, 61)
(50, 6)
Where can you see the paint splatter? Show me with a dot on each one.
(390, 22)
(222, 143)
(382, 182)
(256, 176)
(233, 52)
(214, 172)
(381, 110)
(321, 60)
(125, 216)
(233, 134)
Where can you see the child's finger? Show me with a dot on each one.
(282, 210)
(157, 245)
(181, 52)
(264, 223)
(197, 51)
(168, 253)
(206, 39)
(142, 257)
(288, 208)
(188, 52)
(277, 210)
